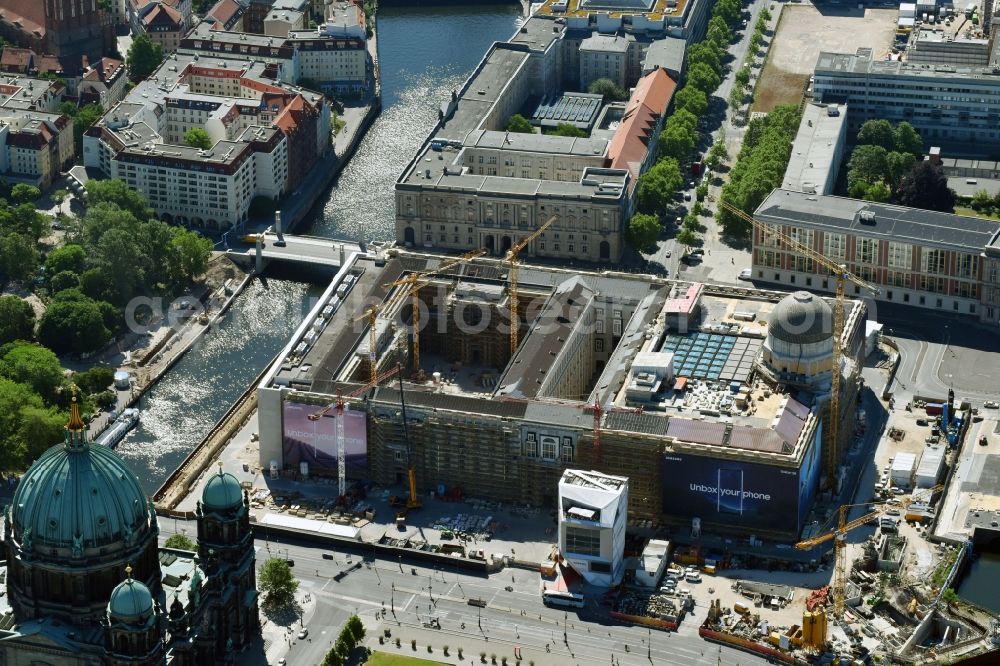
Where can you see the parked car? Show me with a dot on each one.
(745, 274)
(304, 633)
(991, 404)
(698, 251)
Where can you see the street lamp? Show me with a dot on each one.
(392, 599)
(565, 622)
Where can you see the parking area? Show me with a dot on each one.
(804, 31)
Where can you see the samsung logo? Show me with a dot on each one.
(673, 458)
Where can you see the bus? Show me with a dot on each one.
(556, 598)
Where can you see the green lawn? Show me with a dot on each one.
(962, 210)
(386, 659)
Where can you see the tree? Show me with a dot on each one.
(691, 222)
(981, 201)
(17, 320)
(63, 280)
(116, 192)
(332, 658)
(868, 164)
(356, 627)
(687, 237)
(705, 53)
(22, 193)
(94, 380)
(58, 196)
(717, 154)
(719, 32)
(26, 220)
(196, 137)
(33, 365)
(703, 78)
(519, 124)
(743, 77)
(18, 257)
(608, 89)
(926, 187)
(729, 10)
(643, 231)
(189, 254)
(898, 164)
(877, 132)
(879, 192)
(907, 140)
(83, 118)
(144, 56)
(658, 186)
(40, 428)
(180, 542)
(14, 399)
(691, 99)
(676, 141)
(121, 260)
(568, 129)
(70, 258)
(277, 583)
(73, 327)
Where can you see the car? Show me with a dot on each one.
(56, 226)
(691, 185)
(668, 253)
(282, 661)
(687, 196)
(698, 251)
(991, 404)
(327, 556)
(745, 274)
(920, 422)
(898, 491)
(892, 512)
(304, 633)
(279, 243)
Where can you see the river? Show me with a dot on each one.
(424, 53)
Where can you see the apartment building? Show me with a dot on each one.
(818, 149)
(957, 103)
(34, 146)
(265, 135)
(917, 257)
(103, 83)
(604, 57)
(333, 56)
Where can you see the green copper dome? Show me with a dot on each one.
(77, 497)
(131, 601)
(222, 492)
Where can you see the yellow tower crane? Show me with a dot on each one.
(840, 544)
(413, 283)
(840, 277)
(511, 258)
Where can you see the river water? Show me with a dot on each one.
(424, 53)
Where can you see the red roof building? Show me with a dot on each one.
(633, 145)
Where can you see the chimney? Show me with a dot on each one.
(84, 62)
(934, 155)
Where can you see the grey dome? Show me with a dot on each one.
(801, 318)
(222, 492)
(79, 497)
(130, 602)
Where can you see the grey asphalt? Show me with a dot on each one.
(514, 617)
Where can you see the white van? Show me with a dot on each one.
(693, 577)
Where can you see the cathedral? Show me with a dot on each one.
(87, 584)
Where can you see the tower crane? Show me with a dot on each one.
(839, 534)
(511, 258)
(598, 411)
(414, 283)
(841, 276)
(339, 406)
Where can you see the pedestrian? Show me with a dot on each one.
(732, 261)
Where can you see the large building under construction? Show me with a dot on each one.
(711, 400)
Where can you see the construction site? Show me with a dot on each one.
(714, 402)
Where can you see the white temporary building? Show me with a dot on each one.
(907, 9)
(931, 464)
(903, 466)
(593, 512)
(652, 563)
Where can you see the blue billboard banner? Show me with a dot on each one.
(741, 494)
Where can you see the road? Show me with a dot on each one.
(412, 595)
(721, 263)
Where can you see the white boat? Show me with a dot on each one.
(119, 428)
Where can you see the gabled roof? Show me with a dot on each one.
(649, 101)
(163, 16)
(13, 58)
